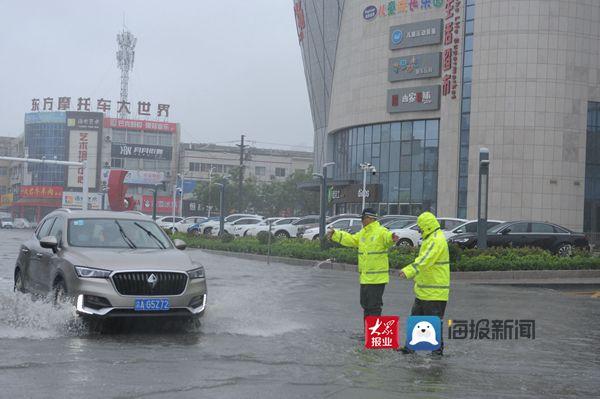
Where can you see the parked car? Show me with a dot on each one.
(207, 227)
(340, 224)
(277, 227)
(238, 227)
(22, 223)
(196, 228)
(166, 222)
(296, 227)
(410, 236)
(549, 236)
(7, 223)
(469, 227)
(387, 219)
(110, 264)
(185, 224)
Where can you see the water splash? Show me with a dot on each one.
(21, 316)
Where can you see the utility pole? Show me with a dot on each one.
(241, 178)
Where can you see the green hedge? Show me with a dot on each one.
(460, 260)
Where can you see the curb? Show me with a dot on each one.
(518, 277)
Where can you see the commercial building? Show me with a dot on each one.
(263, 164)
(8, 148)
(418, 87)
(147, 149)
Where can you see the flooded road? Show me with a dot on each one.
(278, 331)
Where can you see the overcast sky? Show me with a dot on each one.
(226, 67)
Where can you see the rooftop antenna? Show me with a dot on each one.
(125, 56)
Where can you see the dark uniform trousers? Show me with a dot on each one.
(371, 298)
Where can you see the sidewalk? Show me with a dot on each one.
(555, 279)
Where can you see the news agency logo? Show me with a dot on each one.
(369, 13)
(397, 36)
(423, 333)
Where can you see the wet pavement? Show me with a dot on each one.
(279, 331)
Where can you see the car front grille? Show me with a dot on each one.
(140, 283)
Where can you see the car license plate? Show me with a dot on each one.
(151, 304)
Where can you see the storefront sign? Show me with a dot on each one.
(416, 34)
(84, 133)
(6, 200)
(141, 151)
(414, 67)
(142, 177)
(102, 105)
(353, 193)
(146, 126)
(40, 192)
(452, 34)
(164, 204)
(73, 200)
(399, 7)
(408, 99)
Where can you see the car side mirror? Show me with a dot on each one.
(179, 244)
(49, 242)
(505, 232)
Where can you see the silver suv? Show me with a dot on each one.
(110, 264)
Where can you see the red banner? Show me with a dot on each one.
(41, 192)
(164, 204)
(146, 126)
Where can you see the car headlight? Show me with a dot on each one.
(196, 273)
(90, 272)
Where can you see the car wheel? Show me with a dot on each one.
(60, 294)
(405, 243)
(208, 231)
(246, 233)
(196, 232)
(564, 250)
(18, 282)
(316, 237)
(282, 234)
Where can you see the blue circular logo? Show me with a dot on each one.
(369, 13)
(397, 36)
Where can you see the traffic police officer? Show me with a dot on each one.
(430, 271)
(373, 242)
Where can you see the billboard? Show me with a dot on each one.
(145, 151)
(84, 144)
(45, 117)
(143, 177)
(408, 99)
(164, 204)
(40, 191)
(73, 200)
(414, 67)
(146, 126)
(416, 34)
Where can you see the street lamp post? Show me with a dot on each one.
(221, 206)
(210, 172)
(323, 210)
(366, 167)
(482, 198)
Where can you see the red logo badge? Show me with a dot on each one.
(381, 332)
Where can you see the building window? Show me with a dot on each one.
(465, 128)
(49, 140)
(150, 139)
(204, 167)
(134, 138)
(165, 139)
(591, 209)
(195, 166)
(406, 157)
(280, 172)
(118, 136)
(117, 163)
(260, 170)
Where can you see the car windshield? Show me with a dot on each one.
(116, 233)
